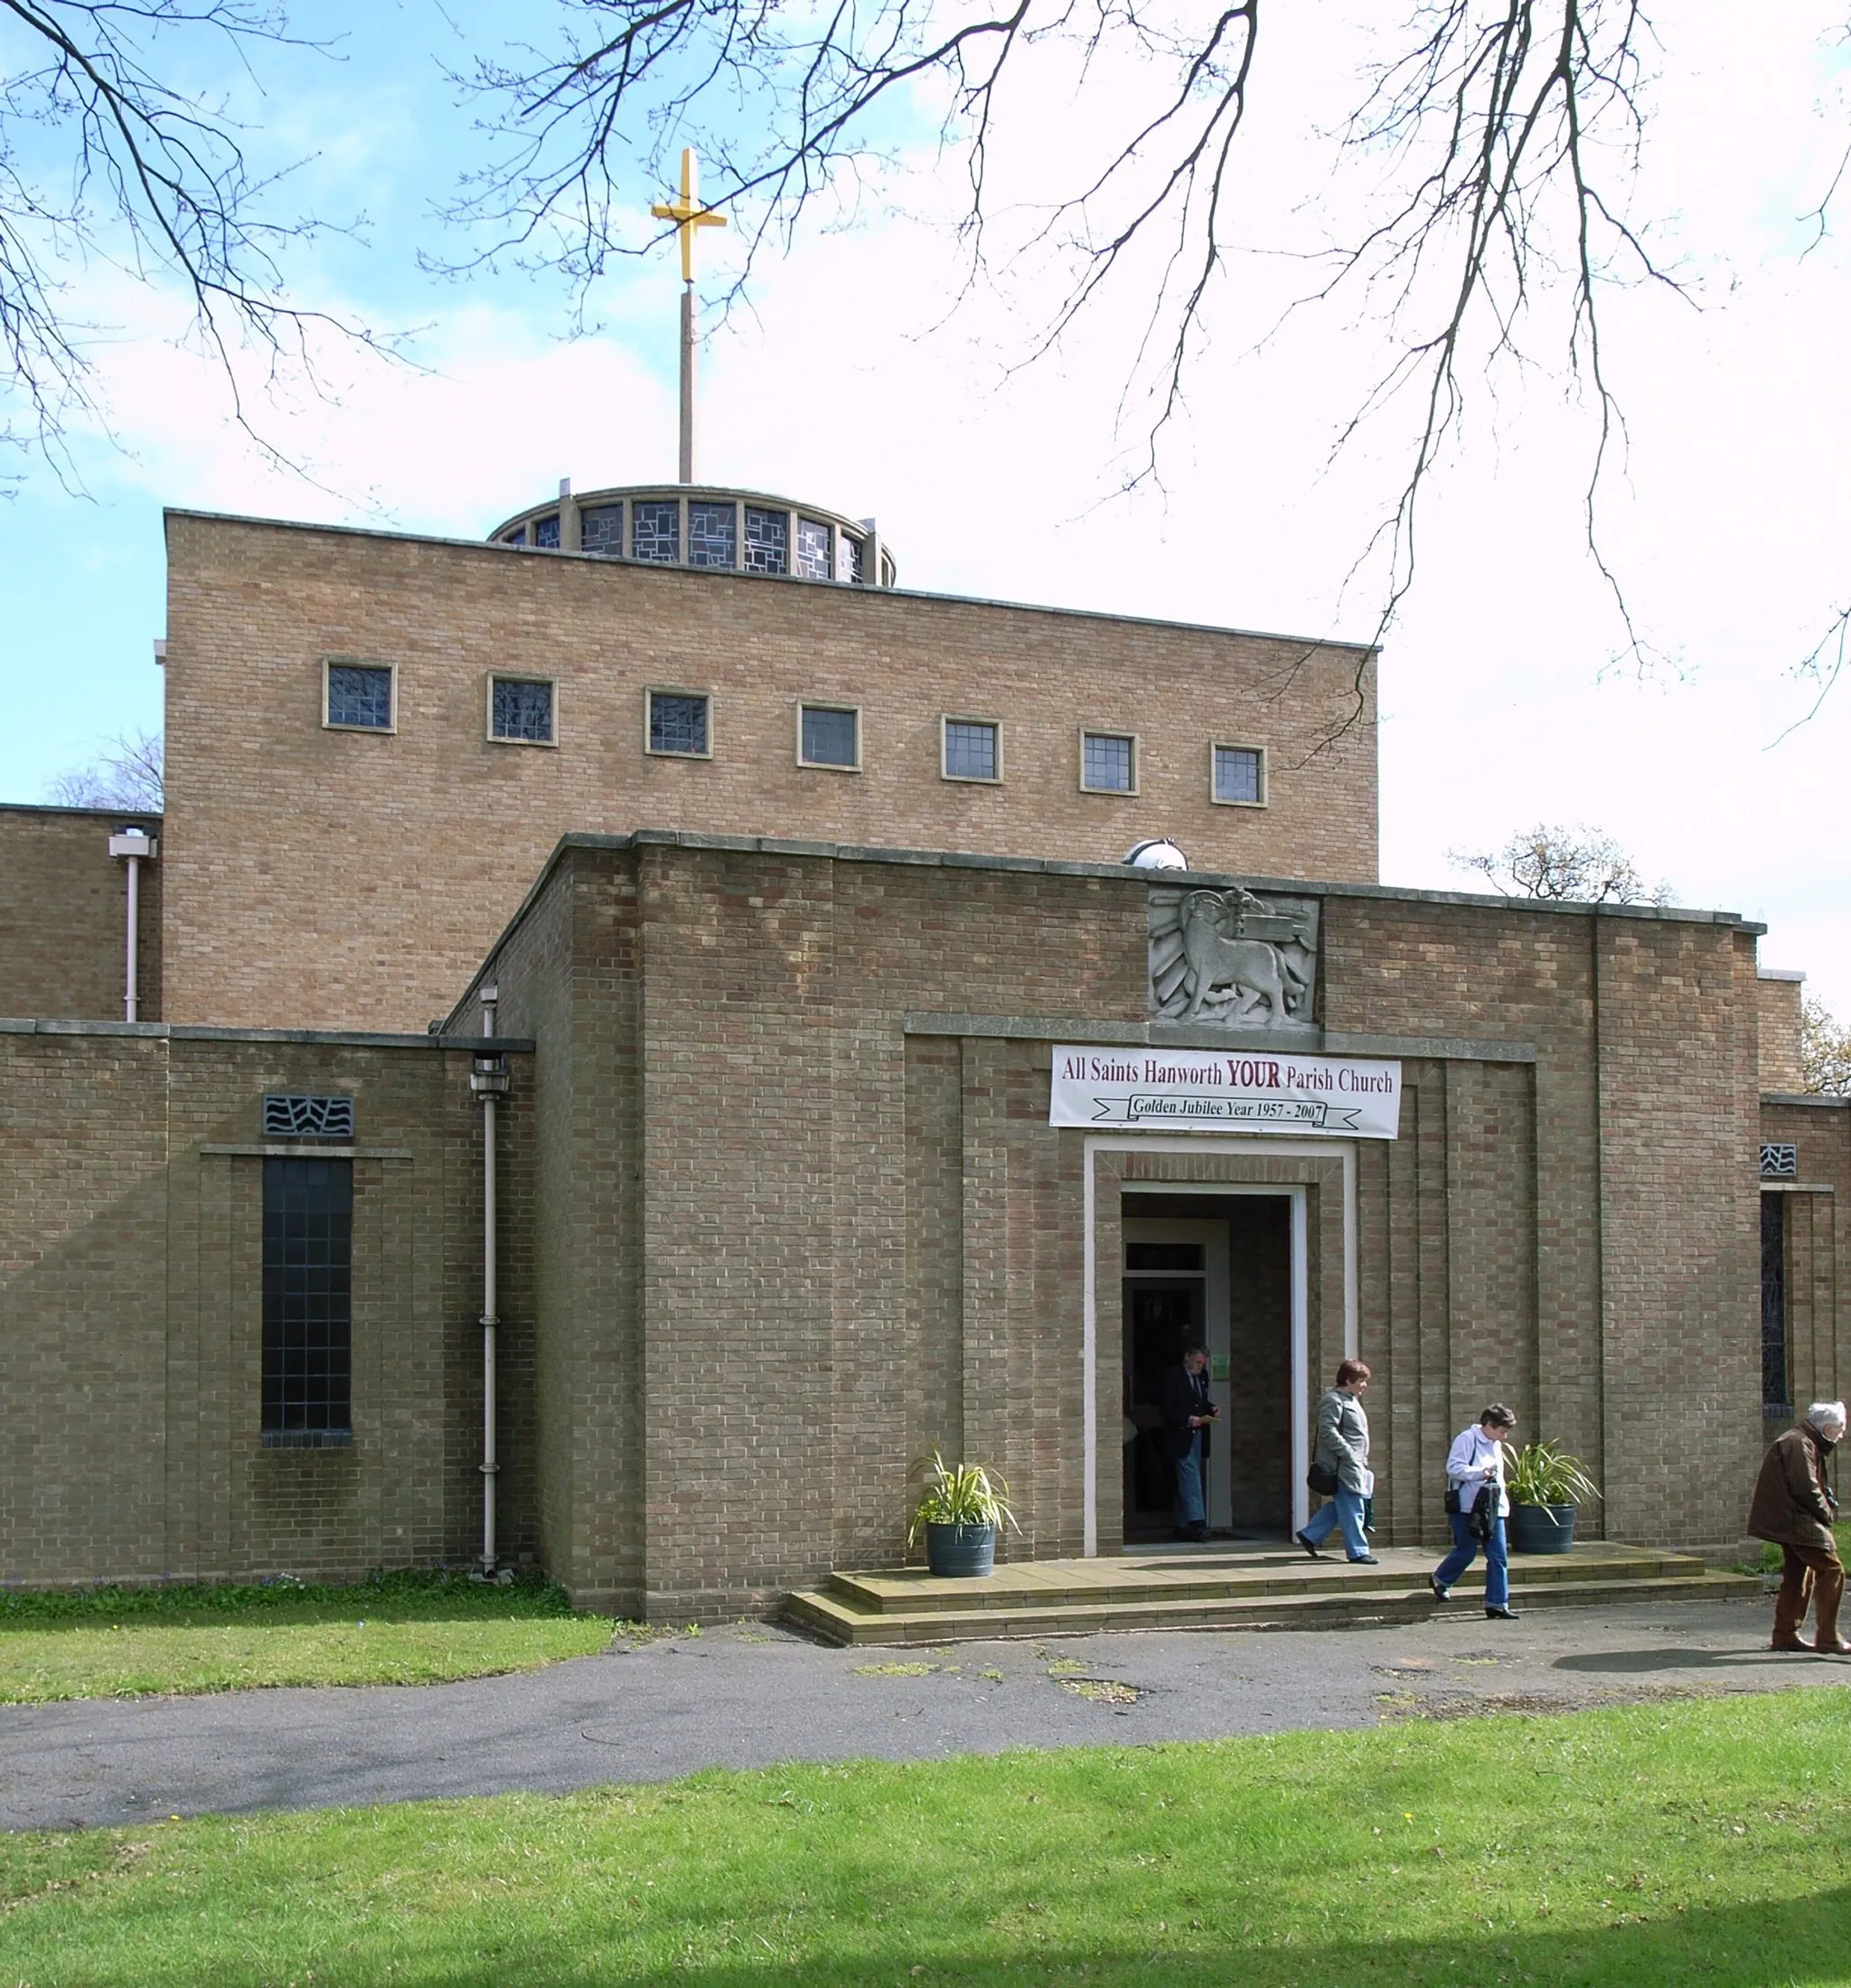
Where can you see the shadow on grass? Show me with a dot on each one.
(1791, 1944)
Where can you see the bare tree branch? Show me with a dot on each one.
(130, 777)
(1824, 665)
(102, 158)
(1509, 128)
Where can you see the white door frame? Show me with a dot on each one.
(1343, 1150)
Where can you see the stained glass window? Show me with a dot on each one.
(813, 549)
(601, 530)
(521, 708)
(360, 695)
(517, 537)
(1105, 763)
(546, 533)
(970, 749)
(655, 533)
(308, 1302)
(848, 558)
(830, 736)
(1236, 774)
(768, 541)
(678, 723)
(712, 536)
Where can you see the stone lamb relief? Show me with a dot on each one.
(1229, 959)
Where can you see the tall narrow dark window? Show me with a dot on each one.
(1776, 1383)
(308, 1303)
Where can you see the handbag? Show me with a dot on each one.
(1483, 1521)
(1321, 1479)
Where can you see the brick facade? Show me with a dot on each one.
(780, 1208)
(348, 879)
(815, 1222)
(130, 1234)
(63, 915)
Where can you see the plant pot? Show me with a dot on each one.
(1540, 1528)
(956, 1552)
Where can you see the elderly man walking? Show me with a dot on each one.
(1793, 1508)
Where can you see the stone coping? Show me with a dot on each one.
(1818, 1099)
(98, 814)
(350, 1039)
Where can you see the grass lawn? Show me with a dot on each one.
(400, 1628)
(1691, 1841)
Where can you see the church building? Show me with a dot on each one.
(850, 1094)
(629, 1032)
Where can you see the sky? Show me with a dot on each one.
(865, 374)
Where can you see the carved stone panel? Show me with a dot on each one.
(1229, 959)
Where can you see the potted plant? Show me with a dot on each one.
(1545, 1484)
(961, 1509)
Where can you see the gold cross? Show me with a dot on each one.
(687, 214)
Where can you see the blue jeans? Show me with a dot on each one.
(1345, 1510)
(1191, 1509)
(1465, 1551)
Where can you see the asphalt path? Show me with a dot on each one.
(753, 1696)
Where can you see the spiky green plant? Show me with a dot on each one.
(1545, 1474)
(959, 1495)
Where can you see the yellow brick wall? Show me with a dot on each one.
(327, 879)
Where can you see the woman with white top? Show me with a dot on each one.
(1475, 1462)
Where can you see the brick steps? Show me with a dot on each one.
(1270, 1591)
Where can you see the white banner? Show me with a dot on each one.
(1225, 1090)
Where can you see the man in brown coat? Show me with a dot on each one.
(1793, 1508)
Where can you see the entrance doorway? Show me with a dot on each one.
(1217, 1267)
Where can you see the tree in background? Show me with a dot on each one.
(1570, 865)
(129, 778)
(1825, 1052)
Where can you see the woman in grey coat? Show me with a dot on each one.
(1343, 1445)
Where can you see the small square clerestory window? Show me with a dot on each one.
(520, 710)
(973, 750)
(679, 724)
(1239, 775)
(1108, 762)
(359, 696)
(829, 735)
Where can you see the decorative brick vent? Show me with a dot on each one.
(288, 1118)
(1779, 1163)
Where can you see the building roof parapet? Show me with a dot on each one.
(1309, 645)
(98, 814)
(1056, 866)
(1106, 873)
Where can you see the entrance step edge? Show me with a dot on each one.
(837, 1620)
(1092, 1584)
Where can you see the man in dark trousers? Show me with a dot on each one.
(1793, 1508)
(1187, 1414)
